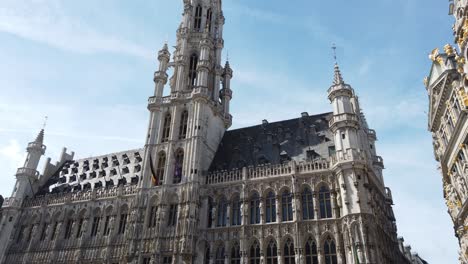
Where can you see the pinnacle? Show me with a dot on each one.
(338, 79)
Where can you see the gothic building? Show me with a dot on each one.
(447, 86)
(305, 190)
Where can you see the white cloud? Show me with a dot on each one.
(45, 21)
(12, 152)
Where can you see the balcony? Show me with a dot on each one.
(28, 172)
(348, 119)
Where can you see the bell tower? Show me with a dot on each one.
(187, 125)
(189, 113)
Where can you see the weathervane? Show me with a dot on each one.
(334, 51)
(45, 122)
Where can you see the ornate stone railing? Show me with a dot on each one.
(269, 170)
(61, 198)
(265, 171)
(27, 171)
(10, 202)
(348, 155)
(224, 176)
(343, 117)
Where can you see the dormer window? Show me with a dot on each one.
(125, 170)
(137, 168)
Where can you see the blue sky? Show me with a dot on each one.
(88, 65)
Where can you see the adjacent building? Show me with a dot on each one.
(304, 190)
(447, 86)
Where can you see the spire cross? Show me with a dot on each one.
(45, 122)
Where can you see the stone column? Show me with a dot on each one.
(279, 214)
(316, 206)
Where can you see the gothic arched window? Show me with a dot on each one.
(311, 252)
(160, 169)
(210, 212)
(254, 255)
(286, 206)
(270, 208)
(329, 249)
(183, 125)
(166, 128)
(222, 212)
(255, 209)
(152, 218)
(207, 254)
(193, 70)
(209, 16)
(325, 202)
(219, 255)
(307, 204)
(272, 253)
(179, 163)
(236, 212)
(123, 220)
(198, 18)
(235, 254)
(289, 255)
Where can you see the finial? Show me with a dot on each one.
(227, 55)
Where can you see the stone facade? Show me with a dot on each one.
(447, 86)
(305, 190)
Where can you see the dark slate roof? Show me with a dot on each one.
(300, 139)
(122, 168)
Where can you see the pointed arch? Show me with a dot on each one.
(152, 213)
(272, 252)
(235, 253)
(123, 219)
(307, 204)
(286, 206)
(325, 202)
(183, 125)
(236, 214)
(255, 208)
(222, 212)
(254, 253)
(220, 255)
(209, 19)
(179, 163)
(207, 253)
(166, 128)
(210, 211)
(198, 18)
(160, 169)
(193, 70)
(270, 207)
(288, 252)
(329, 250)
(311, 253)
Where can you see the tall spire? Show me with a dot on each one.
(338, 79)
(40, 137)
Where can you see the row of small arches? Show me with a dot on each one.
(269, 201)
(311, 252)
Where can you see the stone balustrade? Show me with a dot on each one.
(61, 198)
(343, 117)
(27, 171)
(266, 171)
